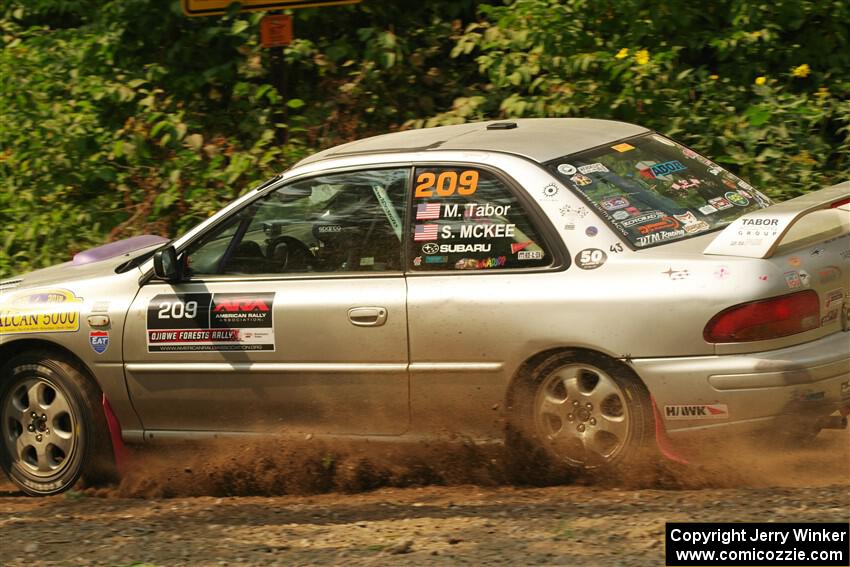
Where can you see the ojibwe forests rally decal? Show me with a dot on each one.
(197, 322)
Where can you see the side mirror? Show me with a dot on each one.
(165, 265)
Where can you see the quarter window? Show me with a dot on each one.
(464, 218)
(350, 222)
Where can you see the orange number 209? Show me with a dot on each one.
(446, 184)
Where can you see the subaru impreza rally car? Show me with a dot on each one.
(593, 287)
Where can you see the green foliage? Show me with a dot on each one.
(122, 117)
(98, 144)
(760, 87)
(127, 117)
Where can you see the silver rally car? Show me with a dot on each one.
(590, 288)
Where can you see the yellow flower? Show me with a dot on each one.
(760, 80)
(801, 71)
(623, 53)
(804, 157)
(714, 77)
(822, 93)
(642, 57)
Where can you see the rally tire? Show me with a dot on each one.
(578, 413)
(52, 427)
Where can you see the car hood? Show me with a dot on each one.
(70, 272)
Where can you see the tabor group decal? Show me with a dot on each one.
(196, 322)
(46, 311)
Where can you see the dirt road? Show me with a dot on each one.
(439, 525)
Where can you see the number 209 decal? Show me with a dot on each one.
(446, 183)
(178, 310)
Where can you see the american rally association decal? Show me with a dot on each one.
(45, 311)
(197, 322)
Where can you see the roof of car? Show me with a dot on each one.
(540, 139)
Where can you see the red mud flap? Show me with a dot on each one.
(119, 449)
(661, 439)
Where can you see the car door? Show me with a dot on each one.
(292, 317)
(481, 274)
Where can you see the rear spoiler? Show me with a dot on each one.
(759, 233)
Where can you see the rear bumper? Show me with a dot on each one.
(750, 392)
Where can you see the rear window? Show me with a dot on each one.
(653, 190)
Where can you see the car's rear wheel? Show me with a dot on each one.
(578, 411)
(51, 428)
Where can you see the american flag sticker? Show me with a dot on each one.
(425, 232)
(428, 211)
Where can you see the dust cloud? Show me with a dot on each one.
(274, 467)
(299, 467)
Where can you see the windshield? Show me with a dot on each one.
(653, 190)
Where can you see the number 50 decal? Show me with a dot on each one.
(590, 258)
(446, 183)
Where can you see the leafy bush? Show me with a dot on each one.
(759, 87)
(99, 148)
(126, 117)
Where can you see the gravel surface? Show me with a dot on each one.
(439, 525)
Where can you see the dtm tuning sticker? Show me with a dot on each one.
(197, 322)
(45, 311)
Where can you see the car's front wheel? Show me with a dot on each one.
(579, 411)
(51, 427)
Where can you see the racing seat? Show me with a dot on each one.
(247, 258)
(356, 234)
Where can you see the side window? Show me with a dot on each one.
(348, 222)
(465, 218)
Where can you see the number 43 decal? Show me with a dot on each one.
(615, 248)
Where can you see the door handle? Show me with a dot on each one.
(367, 316)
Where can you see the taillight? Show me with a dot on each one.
(840, 203)
(765, 319)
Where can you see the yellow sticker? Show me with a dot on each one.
(623, 147)
(47, 311)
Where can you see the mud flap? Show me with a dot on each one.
(119, 450)
(665, 446)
